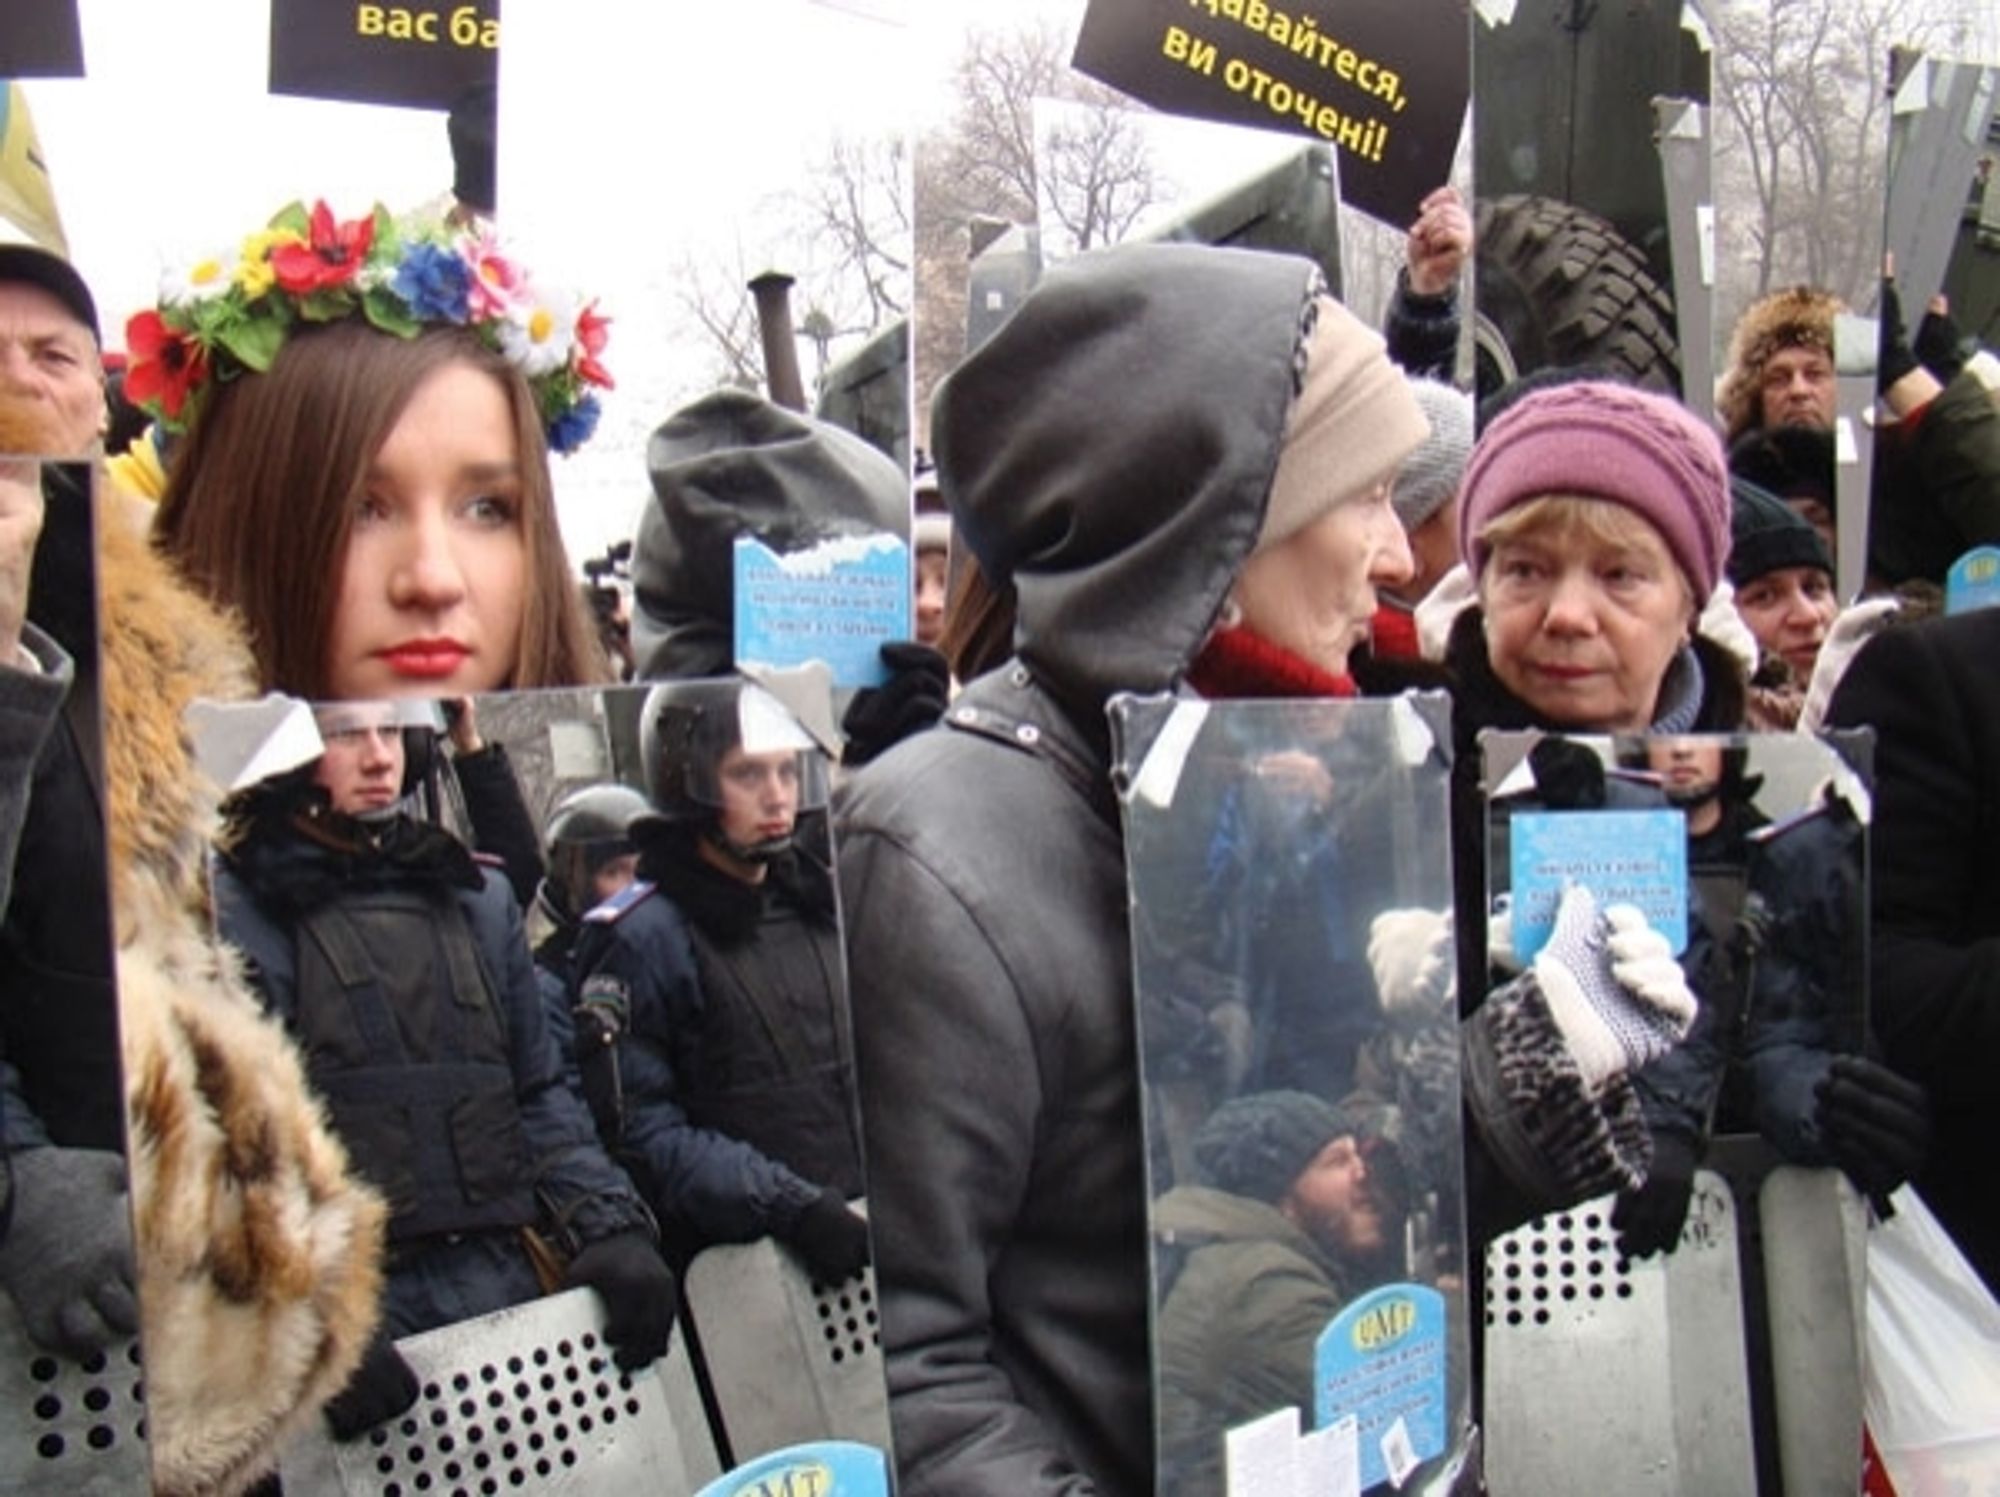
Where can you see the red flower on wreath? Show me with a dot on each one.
(331, 256)
(166, 366)
(593, 331)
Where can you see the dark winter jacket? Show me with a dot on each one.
(278, 875)
(59, 1021)
(734, 1068)
(59, 1024)
(982, 870)
(1252, 1292)
(1804, 892)
(1930, 693)
(1937, 486)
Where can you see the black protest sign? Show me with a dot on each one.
(421, 56)
(1386, 81)
(40, 39)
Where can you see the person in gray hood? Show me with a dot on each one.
(730, 464)
(1180, 457)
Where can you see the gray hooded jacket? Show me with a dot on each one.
(1121, 484)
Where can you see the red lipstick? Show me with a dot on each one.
(425, 659)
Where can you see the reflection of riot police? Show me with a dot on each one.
(1776, 921)
(1804, 927)
(589, 832)
(710, 1005)
(398, 962)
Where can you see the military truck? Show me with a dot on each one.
(1572, 263)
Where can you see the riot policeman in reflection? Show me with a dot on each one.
(590, 857)
(1776, 913)
(710, 997)
(397, 959)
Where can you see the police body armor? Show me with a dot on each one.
(406, 1041)
(776, 1061)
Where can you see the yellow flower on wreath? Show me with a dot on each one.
(253, 272)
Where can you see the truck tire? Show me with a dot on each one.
(1556, 284)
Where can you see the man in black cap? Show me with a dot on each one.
(50, 373)
(1266, 1251)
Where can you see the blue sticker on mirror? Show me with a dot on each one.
(824, 1468)
(838, 602)
(1973, 581)
(1382, 1363)
(1622, 857)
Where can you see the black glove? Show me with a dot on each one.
(914, 696)
(1940, 346)
(67, 1256)
(1649, 1219)
(831, 1238)
(1876, 1124)
(640, 1296)
(1893, 357)
(381, 1388)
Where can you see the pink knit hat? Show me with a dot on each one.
(1596, 440)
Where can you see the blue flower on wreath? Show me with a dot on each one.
(573, 427)
(434, 283)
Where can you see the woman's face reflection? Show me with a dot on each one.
(434, 583)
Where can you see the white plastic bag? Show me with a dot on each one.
(1932, 1376)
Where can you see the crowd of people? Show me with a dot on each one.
(355, 1095)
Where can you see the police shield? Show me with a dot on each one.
(1298, 1042)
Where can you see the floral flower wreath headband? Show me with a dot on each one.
(227, 316)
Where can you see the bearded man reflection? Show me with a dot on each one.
(1287, 1225)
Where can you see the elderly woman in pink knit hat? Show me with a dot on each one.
(1595, 519)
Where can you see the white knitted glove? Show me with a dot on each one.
(1414, 960)
(1721, 623)
(1613, 986)
(1853, 628)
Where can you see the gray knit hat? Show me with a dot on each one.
(1257, 1145)
(1430, 475)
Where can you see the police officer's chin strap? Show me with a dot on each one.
(767, 851)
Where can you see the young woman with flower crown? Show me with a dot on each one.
(364, 412)
(382, 397)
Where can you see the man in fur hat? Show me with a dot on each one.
(1936, 459)
(1780, 370)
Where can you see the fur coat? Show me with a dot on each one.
(259, 1258)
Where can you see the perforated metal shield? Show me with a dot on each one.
(1606, 1375)
(524, 1400)
(72, 1427)
(789, 1360)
